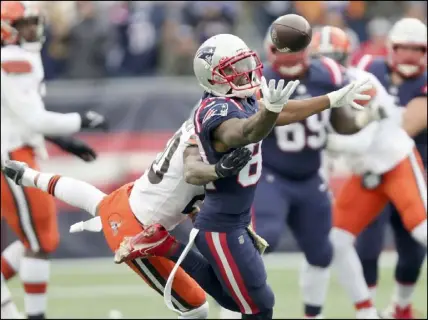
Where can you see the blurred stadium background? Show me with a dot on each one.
(132, 61)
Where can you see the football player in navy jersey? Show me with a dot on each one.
(290, 178)
(403, 73)
(229, 117)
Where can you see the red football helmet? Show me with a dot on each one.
(407, 47)
(15, 14)
(289, 65)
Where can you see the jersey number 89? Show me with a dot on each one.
(296, 136)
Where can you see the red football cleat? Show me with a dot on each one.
(155, 240)
(403, 313)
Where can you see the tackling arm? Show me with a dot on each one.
(197, 172)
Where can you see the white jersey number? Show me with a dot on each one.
(250, 174)
(296, 136)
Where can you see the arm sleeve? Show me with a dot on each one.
(24, 100)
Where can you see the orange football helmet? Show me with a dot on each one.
(14, 12)
(331, 42)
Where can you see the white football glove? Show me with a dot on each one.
(349, 93)
(276, 98)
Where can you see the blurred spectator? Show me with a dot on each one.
(136, 35)
(87, 44)
(376, 45)
(265, 12)
(335, 18)
(59, 19)
(197, 21)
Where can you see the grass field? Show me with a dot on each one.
(92, 288)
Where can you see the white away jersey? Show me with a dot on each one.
(21, 97)
(162, 195)
(381, 144)
(24, 119)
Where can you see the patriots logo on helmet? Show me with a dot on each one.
(206, 54)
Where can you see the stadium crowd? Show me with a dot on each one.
(97, 39)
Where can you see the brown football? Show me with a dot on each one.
(291, 33)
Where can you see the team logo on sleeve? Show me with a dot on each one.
(217, 110)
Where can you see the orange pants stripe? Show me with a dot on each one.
(29, 212)
(119, 222)
(405, 186)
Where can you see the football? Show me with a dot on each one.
(291, 33)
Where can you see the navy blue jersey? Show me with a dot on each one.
(404, 93)
(294, 150)
(227, 201)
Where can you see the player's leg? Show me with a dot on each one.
(239, 267)
(187, 295)
(407, 189)
(310, 222)
(11, 259)
(10, 262)
(31, 215)
(369, 246)
(119, 222)
(411, 256)
(8, 307)
(268, 219)
(355, 208)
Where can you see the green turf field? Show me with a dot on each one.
(92, 288)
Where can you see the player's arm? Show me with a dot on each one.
(234, 132)
(415, 116)
(25, 101)
(74, 146)
(197, 172)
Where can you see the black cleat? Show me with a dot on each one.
(14, 170)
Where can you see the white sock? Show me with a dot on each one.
(8, 307)
(419, 233)
(403, 294)
(228, 314)
(34, 274)
(11, 259)
(349, 269)
(314, 283)
(74, 192)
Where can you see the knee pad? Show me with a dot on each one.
(198, 313)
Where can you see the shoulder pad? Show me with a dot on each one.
(215, 107)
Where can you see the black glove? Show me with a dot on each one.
(93, 120)
(74, 146)
(230, 164)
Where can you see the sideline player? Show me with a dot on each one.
(385, 168)
(24, 123)
(403, 73)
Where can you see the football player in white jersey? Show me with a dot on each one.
(161, 196)
(24, 126)
(385, 167)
